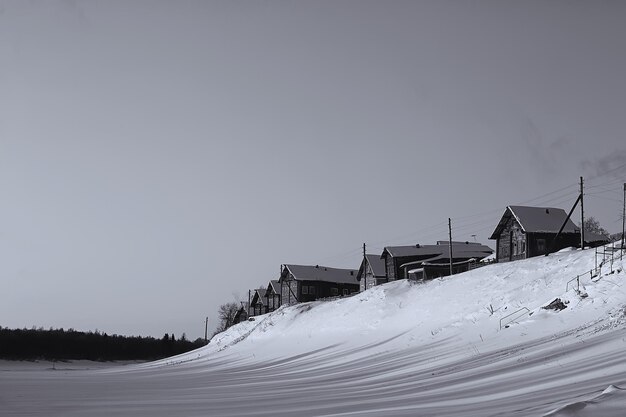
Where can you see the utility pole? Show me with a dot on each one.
(364, 276)
(623, 222)
(450, 242)
(582, 217)
(206, 328)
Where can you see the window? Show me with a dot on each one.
(305, 289)
(541, 245)
(345, 291)
(334, 291)
(312, 290)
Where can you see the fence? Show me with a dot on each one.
(516, 316)
(480, 264)
(607, 255)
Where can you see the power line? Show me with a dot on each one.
(558, 196)
(604, 198)
(607, 172)
(606, 184)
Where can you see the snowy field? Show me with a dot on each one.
(476, 344)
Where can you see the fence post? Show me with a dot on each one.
(578, 283)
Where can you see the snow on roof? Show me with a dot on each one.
(377, 265)
(322, 273)
(536, 220)
(274, 285)
(591, 237)
(259, 296)
(472, 249)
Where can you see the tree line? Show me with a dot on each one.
(60, 344)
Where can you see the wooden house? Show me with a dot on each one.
(371, 272)
(524, 232)
(241, 314)
(593, 239)
(258, 304)
(300, 283)
(402, 262)
(272, 295)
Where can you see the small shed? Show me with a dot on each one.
(524, 232)
(371, 272)
(300, 283)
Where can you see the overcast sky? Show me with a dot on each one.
(159, 158)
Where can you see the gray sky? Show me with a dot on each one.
(159, 158)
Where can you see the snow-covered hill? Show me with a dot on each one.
(475, 344)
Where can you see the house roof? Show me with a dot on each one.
(536, 220)
(321, 273)
(461, 256)
(274, 285)
(592, 237)
(427, 251)
(243, 309)
(259, 296)
(376, 263)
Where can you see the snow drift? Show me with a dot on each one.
(479, 343)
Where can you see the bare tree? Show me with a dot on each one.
(226, 315)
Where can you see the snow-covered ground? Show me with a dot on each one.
(475, 344)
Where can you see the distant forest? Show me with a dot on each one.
(59, 344)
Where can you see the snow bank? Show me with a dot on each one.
(610, 403)
(474, 344)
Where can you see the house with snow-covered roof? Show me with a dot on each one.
(300, 283)
(402, 262)
(258, 304)
(272, 295)
(524, 232)
(371, 272)
(242, 313)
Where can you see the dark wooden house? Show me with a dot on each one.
(524, 232)
(371, 272)
(272, 295)
(241, 314)
(593, 239)
(402, 262)
(258, 304)
(300, 283)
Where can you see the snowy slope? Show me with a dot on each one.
(402, 349)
